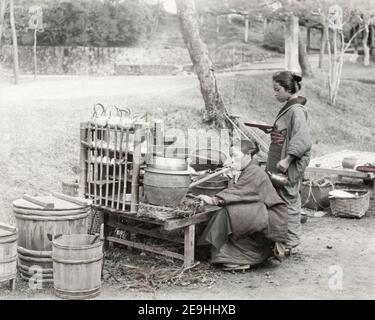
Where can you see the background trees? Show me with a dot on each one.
(85, 23)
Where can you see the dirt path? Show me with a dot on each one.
(305, 275)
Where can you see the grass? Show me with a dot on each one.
(40, 119)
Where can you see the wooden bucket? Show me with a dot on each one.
(77, 265)
(35, 223)
(8, 252)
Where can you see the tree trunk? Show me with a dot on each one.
(323, 44)
(303, 59)
(2, 13)
(366, 49)
(291, 44)
(14, 40)
(265, 26)
(203, 66)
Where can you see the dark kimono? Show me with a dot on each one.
(253, 218)
(292, 121)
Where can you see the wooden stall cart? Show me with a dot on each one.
(159, 226)
(111, 160)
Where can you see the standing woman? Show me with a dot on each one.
(290, 148)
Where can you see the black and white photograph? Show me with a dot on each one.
(201, 151)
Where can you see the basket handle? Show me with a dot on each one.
(95, 112)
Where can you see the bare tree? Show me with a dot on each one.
(198, 51)
(2, 13)
(366, 32)
(303, 59)
(291, 44)
(334, 20)
(14, 40)
(323, 42)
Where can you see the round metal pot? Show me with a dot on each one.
(211, 187)
(165, 187)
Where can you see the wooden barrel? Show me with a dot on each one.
(37, 225)
(77, 265)
(8, 252)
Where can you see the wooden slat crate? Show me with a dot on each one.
(110, 162)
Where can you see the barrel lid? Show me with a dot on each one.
(59, 204)
(6, 230)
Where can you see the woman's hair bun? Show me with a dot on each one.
(297, 77)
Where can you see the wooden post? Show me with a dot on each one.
(14, 40)
(12, 284)
(291, 44)
(137, 155)
(246, 29)
(189, 240)
(308, 39)
(83, 161)
(35, 67)
(372, 39)
(158, 138)
(217, 24)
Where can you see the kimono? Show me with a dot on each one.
(291, 121)
(252, 219)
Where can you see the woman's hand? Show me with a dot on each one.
(284, 164)
(207, 199)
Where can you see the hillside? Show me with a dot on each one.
(227, 47)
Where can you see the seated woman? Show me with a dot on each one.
(253, 220)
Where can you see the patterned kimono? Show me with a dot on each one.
(292, 123)
(253, 218)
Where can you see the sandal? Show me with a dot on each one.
(279, 251)
(235, 267)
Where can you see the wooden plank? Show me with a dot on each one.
(145, 247)
(139, 131)
(82, 159)
(108, 137)
(150, 233)
(131, 216)
(79, 201)
(342, 172)
(48, 205)
(189, 245)
(126, 167)
(197, 218)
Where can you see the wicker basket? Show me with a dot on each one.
(363, 187)
(351, 207)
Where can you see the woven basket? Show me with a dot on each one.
(351, 207)
(363, 187)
